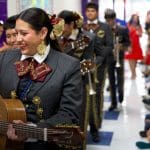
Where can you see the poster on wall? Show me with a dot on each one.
(47, 5)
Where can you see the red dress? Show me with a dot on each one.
(136, 51)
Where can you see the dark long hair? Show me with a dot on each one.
(69, 17)
(131, 20)
(10, 22)
(38, 18)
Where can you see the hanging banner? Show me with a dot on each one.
(47, 5)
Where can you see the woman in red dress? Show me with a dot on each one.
(135, 52)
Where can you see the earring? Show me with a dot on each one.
(41, 48)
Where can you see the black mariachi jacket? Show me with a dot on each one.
(104, 35)
(60, 93)
(85, 46)
(123, 35)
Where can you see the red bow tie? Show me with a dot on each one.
(37, 72)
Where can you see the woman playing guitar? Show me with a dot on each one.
(46, 81)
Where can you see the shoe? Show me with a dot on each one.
(146, 101)
(143, 145)
(95, 136)
(112, 108)
(143, 134)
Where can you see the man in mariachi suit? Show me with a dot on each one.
(104, 34)
(85, 45)
(116, 58)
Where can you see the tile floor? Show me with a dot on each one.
(120, 129)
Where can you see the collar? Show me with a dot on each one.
(92, 22)
(37, 57)
(74, 34)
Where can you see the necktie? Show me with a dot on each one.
(36, 71)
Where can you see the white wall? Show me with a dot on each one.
(11, 7)
(58, 5)
(133, 6)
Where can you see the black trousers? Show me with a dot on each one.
(99, 97)
(40, 146)
(116, 80)
(45, 146)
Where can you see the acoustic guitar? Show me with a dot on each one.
(13, 109)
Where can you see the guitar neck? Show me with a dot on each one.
(57, 134)
(23, 130)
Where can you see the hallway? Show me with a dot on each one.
(120, 129)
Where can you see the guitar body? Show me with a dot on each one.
(11, 109)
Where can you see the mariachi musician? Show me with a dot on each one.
(103, 32)
(85, 46)
(116, 58)
(46, 81)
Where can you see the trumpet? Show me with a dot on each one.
(116, 51)
(86, 67)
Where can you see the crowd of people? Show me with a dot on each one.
(145, 133)
(62, 62)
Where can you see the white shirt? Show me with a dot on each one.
(92, 22)
(37, 57)
(74, 34)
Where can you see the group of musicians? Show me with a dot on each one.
(105, 47)
(100, 49)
